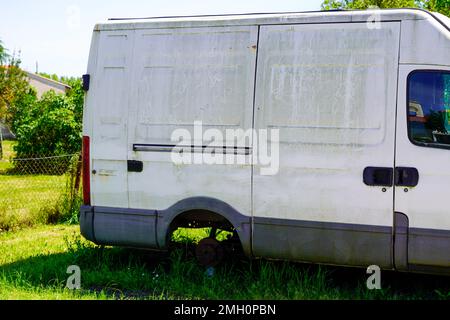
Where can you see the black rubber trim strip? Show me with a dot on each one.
(229, 14)
(195, 149)
(437, 18)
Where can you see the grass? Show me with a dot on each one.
(33, 264)
(28, 200)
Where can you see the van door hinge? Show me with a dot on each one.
(86, 81)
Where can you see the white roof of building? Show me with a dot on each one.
(47, 81)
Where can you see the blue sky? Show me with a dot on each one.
(57, 34)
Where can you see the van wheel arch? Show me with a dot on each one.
(203, 212)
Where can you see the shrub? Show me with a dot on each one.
(50, 127)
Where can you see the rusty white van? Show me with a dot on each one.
(361, 104)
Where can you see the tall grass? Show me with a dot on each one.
(33, 263)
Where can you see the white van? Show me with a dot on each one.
(361, 102)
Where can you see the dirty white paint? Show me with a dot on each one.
(330, 87)
(109, 108)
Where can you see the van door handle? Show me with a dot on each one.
(378, 176)
(406, 177)
(135, 166)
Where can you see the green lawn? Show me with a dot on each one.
(29, 199)
(33, 264)
(26, 200)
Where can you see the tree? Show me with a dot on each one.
(14, 89)
(75, 94)
(3, 54)
(365, 4)
(442, 6)
(47, 127)
(50, 126)
(49, 76)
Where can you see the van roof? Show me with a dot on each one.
(266, 19)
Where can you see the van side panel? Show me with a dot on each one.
(330, 90)
(418, 36)
(180, 76)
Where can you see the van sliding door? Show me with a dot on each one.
(330, 90)
(194, 80)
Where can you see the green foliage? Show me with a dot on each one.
(436, 121)
(14, 89)
(365, 4)
(48, 127)
(53, 76)
(75, 97)
(75, 94)
(442, 6)
(3, 54)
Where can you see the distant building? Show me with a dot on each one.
(5, 134)
(42, 84)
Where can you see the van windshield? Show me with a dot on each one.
(429, 108)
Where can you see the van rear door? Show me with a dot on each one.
(107, 107)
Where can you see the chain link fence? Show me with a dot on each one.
(37, 190)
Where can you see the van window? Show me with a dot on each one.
(429, 108)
